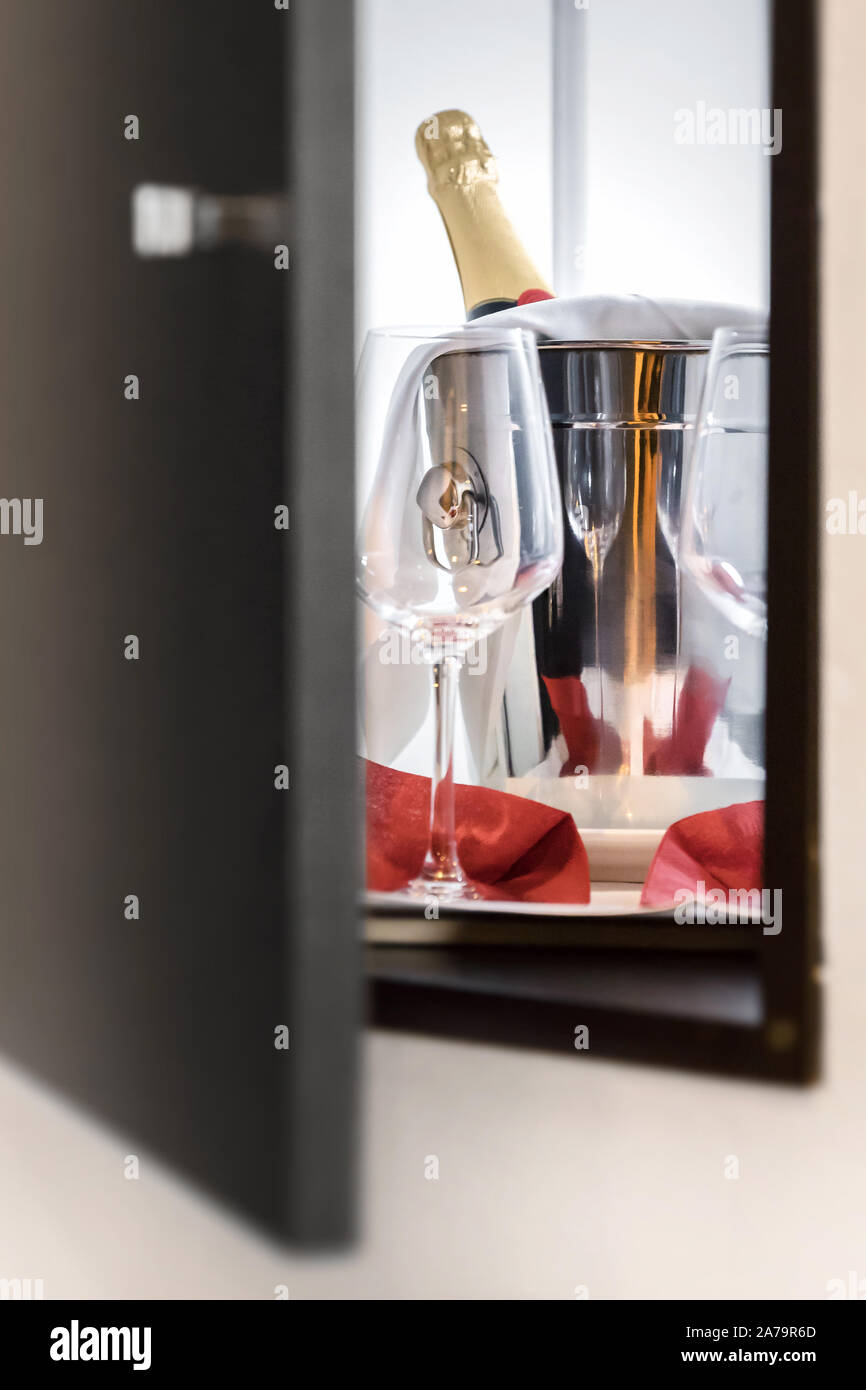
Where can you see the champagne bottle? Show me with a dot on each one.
(495, 270)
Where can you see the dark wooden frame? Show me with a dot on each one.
(730, 1000)
(322, 966)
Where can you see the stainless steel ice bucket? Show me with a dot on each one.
(592, 690)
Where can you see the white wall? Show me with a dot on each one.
(663, 218)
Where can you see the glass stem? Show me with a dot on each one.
(441, 865)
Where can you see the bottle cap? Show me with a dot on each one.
(453, 151)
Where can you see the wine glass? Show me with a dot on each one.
(461, 519)
(723, 540)
(595, 495)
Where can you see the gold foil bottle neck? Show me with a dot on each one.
(453, 152)
(462, 179)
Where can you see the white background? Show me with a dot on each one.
(662, 218)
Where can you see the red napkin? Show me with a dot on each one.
(510, 847)
(590, 742)
(721, 849)
(682, 753)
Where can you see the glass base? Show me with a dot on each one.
(442, 890)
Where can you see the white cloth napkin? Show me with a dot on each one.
(625, 318)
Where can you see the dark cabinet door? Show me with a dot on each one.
(165, 904)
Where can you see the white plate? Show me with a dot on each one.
(607, 900)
